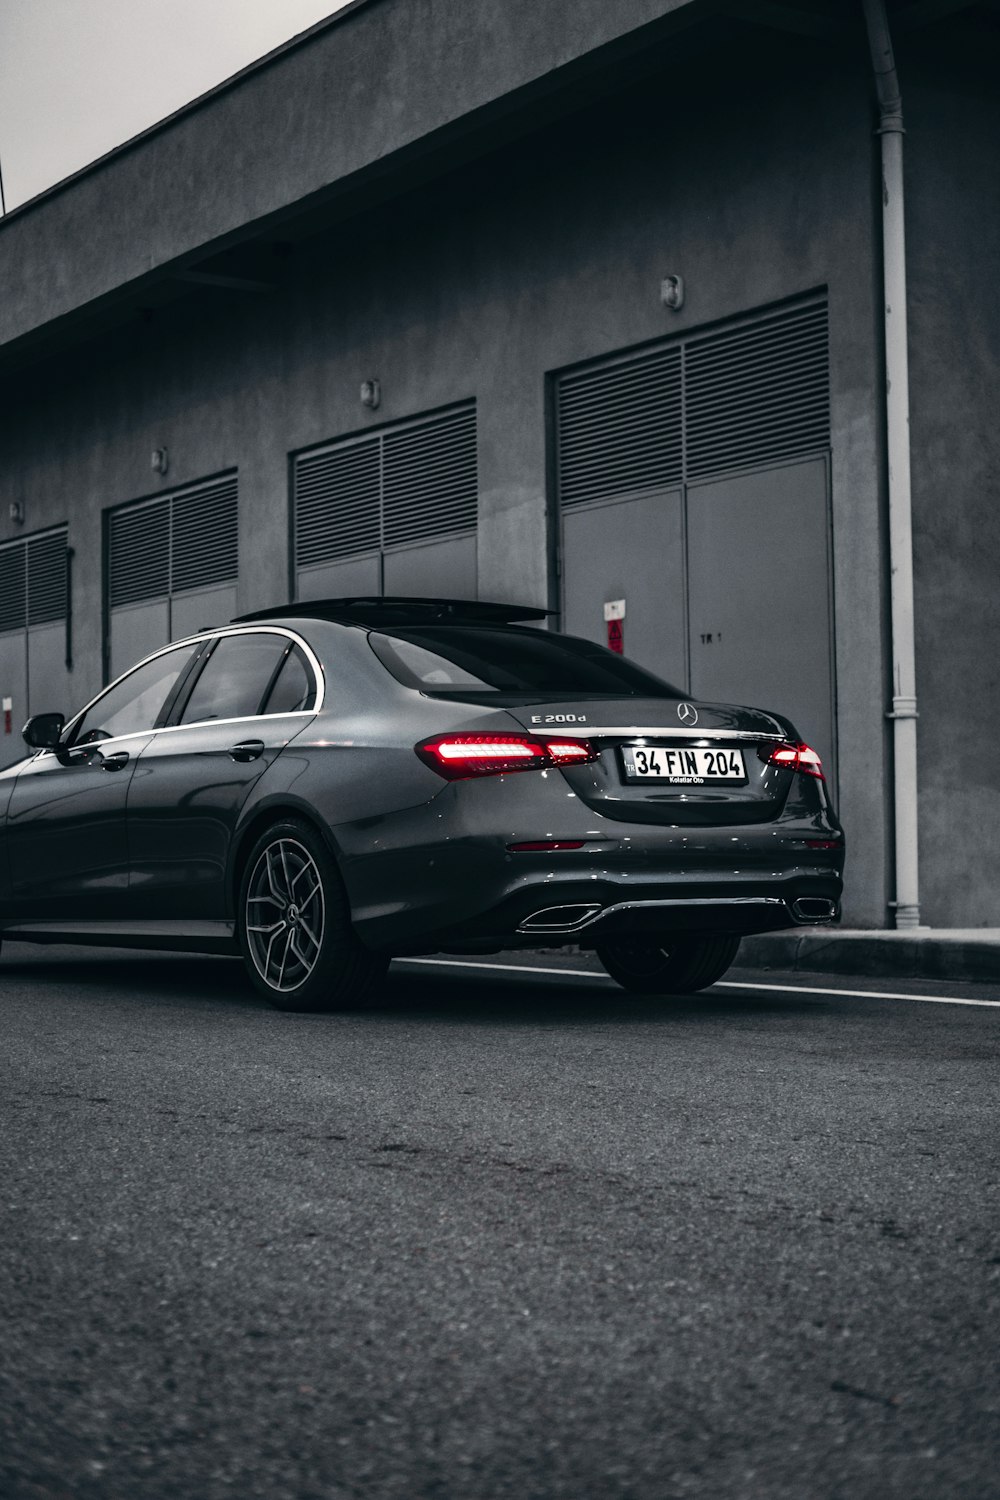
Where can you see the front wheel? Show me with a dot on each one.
(294, 924)
(676, 966)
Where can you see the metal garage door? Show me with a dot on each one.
(391, 512)
(172, 568)
(35, 638)
(693, 483)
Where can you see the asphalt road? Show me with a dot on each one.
(498, 1236)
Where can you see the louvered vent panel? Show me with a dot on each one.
(758, 394)
(619, 428)
(430, 481)
(13, 587)
(205, 536)
(47, 578)
(337, 503)
(140, 553)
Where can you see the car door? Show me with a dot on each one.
(66, 817)
(253, 692)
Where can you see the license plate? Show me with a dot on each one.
(682, 767)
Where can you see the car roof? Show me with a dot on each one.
(375, 610)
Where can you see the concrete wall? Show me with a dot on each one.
(548, 253)
(385, 80)
(953, 242)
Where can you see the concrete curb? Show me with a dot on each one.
(963, 955)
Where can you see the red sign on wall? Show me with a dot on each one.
(614, 615)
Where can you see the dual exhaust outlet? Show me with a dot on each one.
(560, 918)
(814, 909)
(579, 914)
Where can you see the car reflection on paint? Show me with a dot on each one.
(327, 785)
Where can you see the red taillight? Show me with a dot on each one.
(793, 757)
(570, 752)
(457, 756)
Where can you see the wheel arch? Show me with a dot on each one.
(262, 816)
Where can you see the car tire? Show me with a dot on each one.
(677, 966)
(294, 925)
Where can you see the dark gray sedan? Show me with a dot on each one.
(327, 785)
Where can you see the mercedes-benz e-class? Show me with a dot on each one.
(327, 785)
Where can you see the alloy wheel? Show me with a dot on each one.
(285, 915)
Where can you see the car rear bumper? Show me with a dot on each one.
(601, 913)
(590, 922)
(443, 875)
(526, 910)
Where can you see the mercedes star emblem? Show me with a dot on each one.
(687, 713)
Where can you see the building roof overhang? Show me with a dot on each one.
(358, 109)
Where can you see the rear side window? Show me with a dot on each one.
(454, 661)
(293, 689)
(235, 678)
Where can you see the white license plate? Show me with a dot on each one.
(682, 767)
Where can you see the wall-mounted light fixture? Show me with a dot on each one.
(159, 462)
(16, 512)
(371, 393)
(672, 292)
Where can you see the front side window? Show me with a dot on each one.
(235, 678)
(135, 703)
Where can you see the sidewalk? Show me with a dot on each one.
(969, 953)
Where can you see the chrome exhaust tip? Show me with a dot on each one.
(814, 909)
(560, 918)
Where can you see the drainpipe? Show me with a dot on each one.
(897, 407)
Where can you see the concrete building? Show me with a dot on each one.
(386, 311)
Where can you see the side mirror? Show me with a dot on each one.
(42, 731)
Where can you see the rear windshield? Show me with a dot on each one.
(452, 661)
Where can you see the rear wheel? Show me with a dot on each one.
(294, 924)
(676, 966)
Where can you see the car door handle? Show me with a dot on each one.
(115, 762)
(248, 750)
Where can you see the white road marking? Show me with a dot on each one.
(811, 989)
(466, 963)
(723, 984)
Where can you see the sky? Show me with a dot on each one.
(78, 77)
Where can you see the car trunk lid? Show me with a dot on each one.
(669, 762)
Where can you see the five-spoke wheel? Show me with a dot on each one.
(286, 914)
(294, 924)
